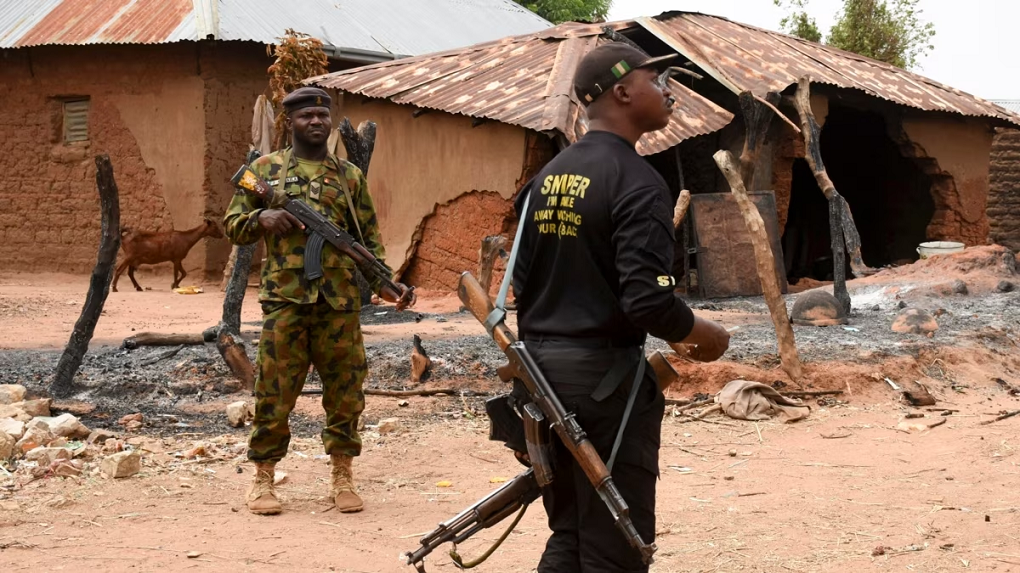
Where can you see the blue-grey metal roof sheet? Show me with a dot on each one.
(397, 27)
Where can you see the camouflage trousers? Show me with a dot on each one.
(294, 336)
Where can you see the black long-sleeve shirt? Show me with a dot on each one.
(597, 248)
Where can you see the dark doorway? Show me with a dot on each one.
(889, 195)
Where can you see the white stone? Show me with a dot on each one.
(35, 408)
(123, 464)
(12, 427)
(6, 445)
(11, 393)
(46, 456)
(388, 425)
(14, 412)
(65, 426)
(33, 438)
(240, 412)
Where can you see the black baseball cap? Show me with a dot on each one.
(608, 64)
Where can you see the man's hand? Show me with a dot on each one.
(398, 297)
(279, 222)
(708, 340)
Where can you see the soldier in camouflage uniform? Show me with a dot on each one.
(308, 321)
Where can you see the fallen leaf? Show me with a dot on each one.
(444, 483)
(498, 479)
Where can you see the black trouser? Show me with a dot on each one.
(584, 538)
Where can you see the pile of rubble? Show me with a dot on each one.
(35, 444)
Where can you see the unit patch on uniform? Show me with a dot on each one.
(291, 179)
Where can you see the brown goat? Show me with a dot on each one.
(152, 247)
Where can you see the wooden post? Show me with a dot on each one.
(766, 265)
(841, 220)
(359, 145)
(757, 119)
(492, 246)
(680, 211)
(99, 285)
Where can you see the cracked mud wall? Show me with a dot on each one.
(954, 152)
(141, 110)
(421, 167)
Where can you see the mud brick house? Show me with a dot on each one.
(1004, 184)
(910, 155)
(167, 88)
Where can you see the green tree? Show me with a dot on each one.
(887, 30)
(797, 22)
(559, 11)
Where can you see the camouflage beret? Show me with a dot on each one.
(305, 97)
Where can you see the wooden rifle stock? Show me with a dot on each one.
(523, 367)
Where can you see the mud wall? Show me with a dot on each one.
(422, 163)
(234, 74)
(143, 103)
(955, 153)
(1004, 190)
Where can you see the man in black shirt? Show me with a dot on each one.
(593, 278)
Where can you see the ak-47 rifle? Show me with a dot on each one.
(320, 231)
(524, 489)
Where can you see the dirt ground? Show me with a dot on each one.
(843, 490)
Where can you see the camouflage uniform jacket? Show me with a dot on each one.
(283, 276)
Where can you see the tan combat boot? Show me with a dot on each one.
(262, 498)
(342, 485)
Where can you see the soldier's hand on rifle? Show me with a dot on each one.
(709, 339)
(398, 297)
(279, 222)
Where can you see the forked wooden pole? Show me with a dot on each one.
(766, 265)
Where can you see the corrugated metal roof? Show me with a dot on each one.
(743, 57)
(1012, 105)
(397, 27)
(523, 80)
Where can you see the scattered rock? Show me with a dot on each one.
(959, 287)
(14, 412)
(902, 304)
(99, 436)
(121, 465)
(34, 437)
(195, 554)
(67, 469)
(403, 403)
(1005, 286)
(35, 408)
(239, 413)
(279, 477)
(66, 426)
(11, 393)
(388, 425)
(817, 308)
(12, 428)
(46, 456)
(113, 445)
(732, 453)
(6, 445)
(136, 417)
(57, 443)
(914, 321)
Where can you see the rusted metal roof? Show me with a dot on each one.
(743, 57)
(389, 27)
(522, 80)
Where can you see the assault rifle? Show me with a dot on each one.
(320, 231)
(521, 491)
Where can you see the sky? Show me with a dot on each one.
(976, 47)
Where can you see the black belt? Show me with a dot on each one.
(580, 342)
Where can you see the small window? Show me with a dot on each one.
(76, 120)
